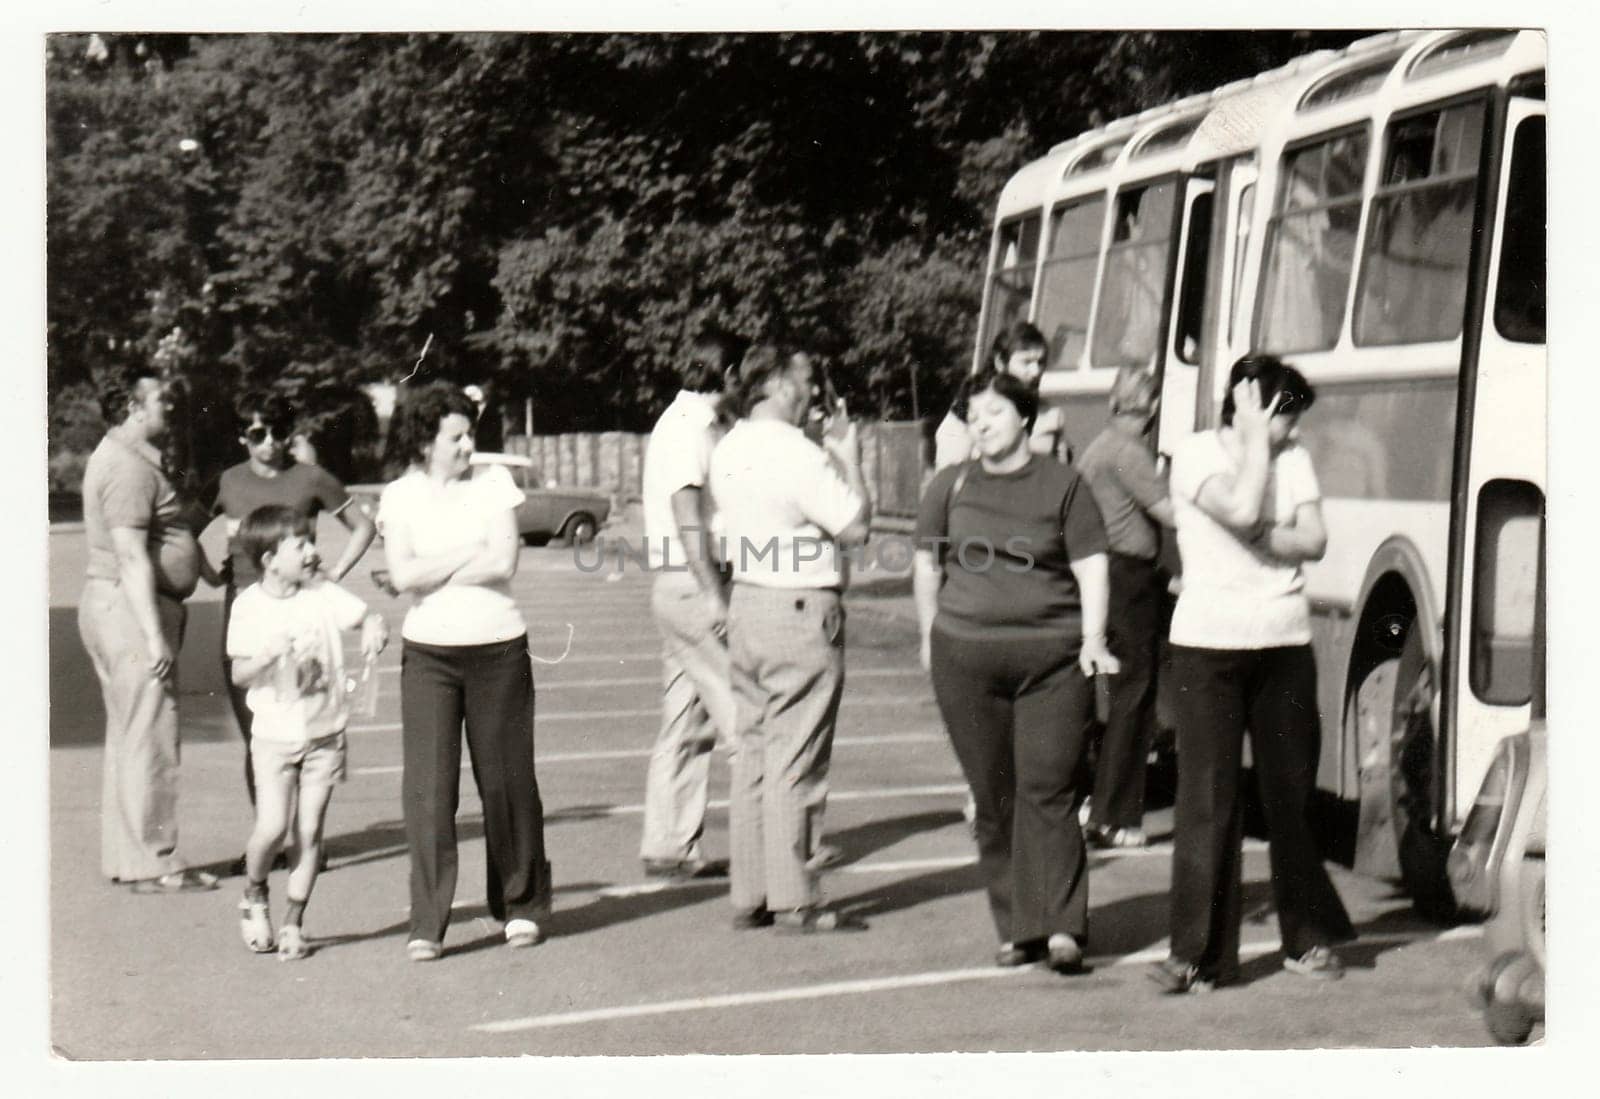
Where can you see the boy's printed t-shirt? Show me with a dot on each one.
(313, 617)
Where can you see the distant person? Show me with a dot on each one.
(143, 563)
(452, 544)
(788, 506)
(271, 475)
(1249, 512)
(1010, 590)
(284, 642)
(689, 601)
(1020, 351)
(1133, 502)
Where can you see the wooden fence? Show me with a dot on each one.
(893, 460)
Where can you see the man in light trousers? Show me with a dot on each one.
(690, 603)
(143, 563)
(788, 506)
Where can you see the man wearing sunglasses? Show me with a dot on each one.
(270, 475)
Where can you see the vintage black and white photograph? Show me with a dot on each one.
(626, 541)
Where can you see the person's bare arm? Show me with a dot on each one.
(689, 512)
(1236, 502)
(496, 558)
(409, 572)
(846, 448)
(1303, 538)
(138, 577)
(1094, 591)
(925, 581)
(362, 532)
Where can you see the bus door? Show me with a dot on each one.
(1178, 372)
(1497, 543)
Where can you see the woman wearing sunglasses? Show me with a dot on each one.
(270, 475)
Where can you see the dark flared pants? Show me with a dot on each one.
(1138, 597)
(1220, 694)
(489, 690)
(1017, 712)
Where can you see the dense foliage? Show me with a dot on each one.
(555, 211)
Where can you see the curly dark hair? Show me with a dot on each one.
(417, 420)
(1274, 376)
(273, 409)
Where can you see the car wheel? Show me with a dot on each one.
(580, 529)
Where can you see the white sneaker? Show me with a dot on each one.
(255, 926)
(522, 932)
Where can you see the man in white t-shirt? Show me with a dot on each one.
(690, 603)
(788, 508)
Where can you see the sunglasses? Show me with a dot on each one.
(260, 433)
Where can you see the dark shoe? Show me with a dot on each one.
(751, 919)
(237, 868)
(685, 869)
(1319, 963)
(1066, 956)
(183, 881)
(1012, 955)
(826, 855)
(1176, 977)
(812, 921)
(1105, 837)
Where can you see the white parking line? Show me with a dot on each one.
(871, 985)
(655, 711)
(641, 753)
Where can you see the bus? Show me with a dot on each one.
(1375, 216)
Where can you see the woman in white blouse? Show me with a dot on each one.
(452, 545)
(1249, 513)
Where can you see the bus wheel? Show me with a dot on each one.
(1393, 725)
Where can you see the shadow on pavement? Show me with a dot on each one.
(863, 839)
(605, 911)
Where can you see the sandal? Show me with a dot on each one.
(292, 945)
(255, 925)
(179, 881)
(811, 921)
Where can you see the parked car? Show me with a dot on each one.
(1497, 872)
(547, 511)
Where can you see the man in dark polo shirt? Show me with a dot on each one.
(143, 563)
(1132, 497)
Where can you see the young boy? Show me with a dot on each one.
(283, 639)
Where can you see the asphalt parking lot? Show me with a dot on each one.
(634, 966)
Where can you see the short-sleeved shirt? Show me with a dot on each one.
(678, 455)
(1011, 540)
(781, 501)
(307, 699)
(437, 518)
(307, 490)
(124, 486)
(1126, 485)
(952, 439)
(1235, 594)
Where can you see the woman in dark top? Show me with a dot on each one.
(1011, 598)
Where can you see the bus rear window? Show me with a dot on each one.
(1066, 287)
(1519, 292)
(1419, 236)
(1011, 287)
(1127, 322)
(1310, 247)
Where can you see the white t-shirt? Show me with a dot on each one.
(437, 518)
(952, 439)
(677, 456)
(1235, 595)
(781, 500)
(309, 701)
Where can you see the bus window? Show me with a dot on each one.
(1066, 286)
(1505, 572)
(1241, 241)
(1011, 288)
(1414, 263)
(1192, 295)
(1519, 296)
(1310, 245)
(1128, 321)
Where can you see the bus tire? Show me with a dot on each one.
(1392, 721)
